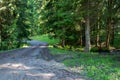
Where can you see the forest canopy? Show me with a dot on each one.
(92, 24)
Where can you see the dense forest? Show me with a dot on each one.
(92, 24)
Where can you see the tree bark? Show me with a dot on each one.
(98, 34)
(113, 37)
(81, 35)
(81, 40)
(109, 24)
(87, 30)
(87, 36)
(108, 34)
(63, 42)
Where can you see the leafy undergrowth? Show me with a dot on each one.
(56, 51)
(95, 66)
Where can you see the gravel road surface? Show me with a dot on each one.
(33, 63)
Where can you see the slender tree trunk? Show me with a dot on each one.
(87, 36)
(113, 34)
(98, 34)
(108, 34)
(80, 38)
(100, 40)
(97, 38)
(87, 30)
(109, 24)
(63, 42)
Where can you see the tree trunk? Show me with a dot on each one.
(87, 36)
(113, 34)
(109, 24)
(81, 35)
(98, 34)
(87, 30)
(81, 42)
(108, 34)
(63, 42)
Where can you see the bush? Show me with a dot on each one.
(103, 49)
(98, 49)
(94, 49)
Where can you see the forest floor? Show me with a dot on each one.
(33, 63)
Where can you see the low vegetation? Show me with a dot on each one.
(95, 66)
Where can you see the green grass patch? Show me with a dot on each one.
(95, 66)
(117, 42)
(45, 38)
(55, 51)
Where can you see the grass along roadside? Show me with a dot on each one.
(93, 65)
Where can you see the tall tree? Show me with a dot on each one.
(59, 15)
(111, 12)
(7, 25)
(13, 22)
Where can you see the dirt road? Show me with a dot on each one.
(33, 63)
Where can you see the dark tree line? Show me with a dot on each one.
(89, 23)
(14, 25)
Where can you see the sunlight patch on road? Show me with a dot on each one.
(44, 75)
(15, 66)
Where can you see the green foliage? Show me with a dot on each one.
(59, 15)
(8, 35)
(17, 21)
(66, 20)
(95, 66)
(22, 27)
(55, 51)
(33, 18)
(61, 19)
(94, 49)
(117, 41)
(98, 49)
(45, 38)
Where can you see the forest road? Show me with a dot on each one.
(33, 63)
